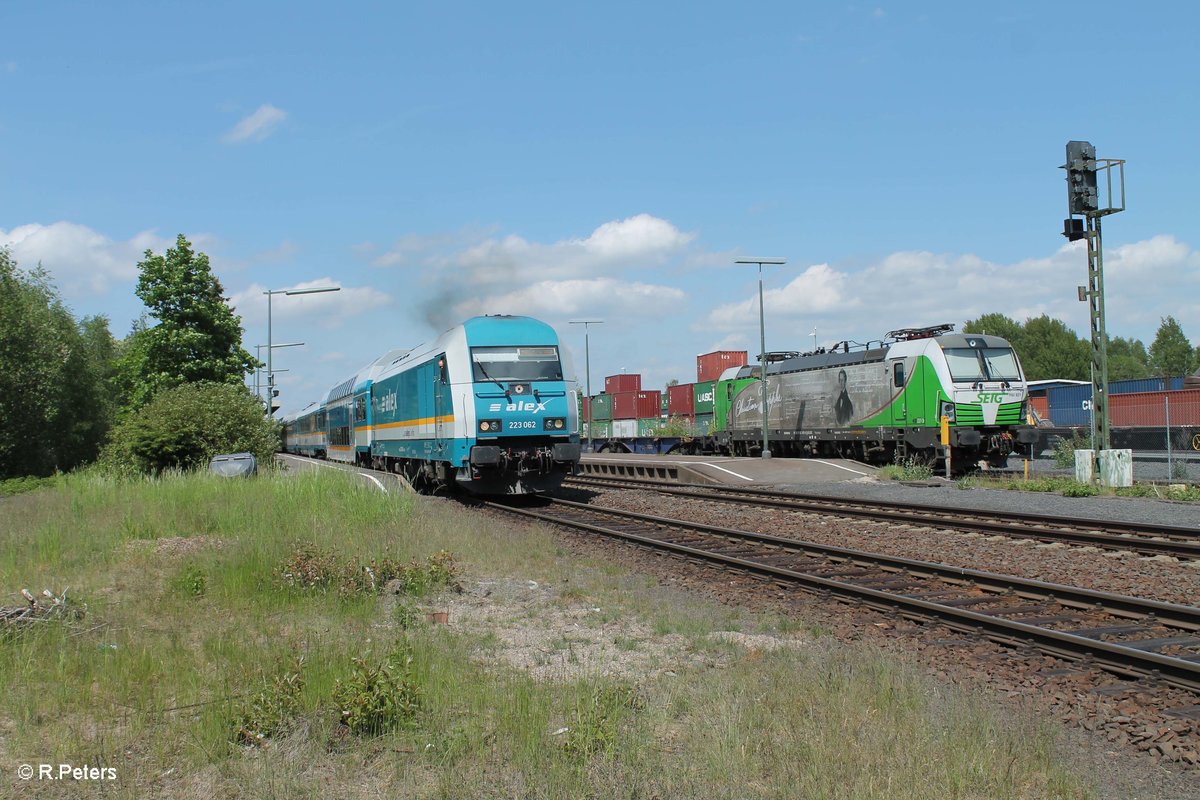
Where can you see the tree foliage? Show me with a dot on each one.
(1171, 353)
(1127, 358)
(53, 409)
(185, 426)
(197, 338)
(1047, 348)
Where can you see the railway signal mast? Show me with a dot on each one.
(1083, 200)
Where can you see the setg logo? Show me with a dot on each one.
(991, 397)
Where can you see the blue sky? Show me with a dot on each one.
(602, 161)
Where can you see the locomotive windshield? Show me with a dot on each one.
(516, 364)
(982, 364)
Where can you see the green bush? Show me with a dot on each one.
(1064, 449)
(378, 698)
(1080, 490)
(184, 427)
(267, 713)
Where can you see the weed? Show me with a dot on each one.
(269, 711)
(191, 581)
(11, 486)
(381, 697)
(1064, 449)
(1179, 470)
(597, 717)
(311, 568)
(907, 470)
(1080, 490)
(406, 615)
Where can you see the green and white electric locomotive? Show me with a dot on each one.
(884, 401)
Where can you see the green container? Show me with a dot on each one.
(646, 426)
(703, 397)
(600, 430)
(602, 406)
(703, 424)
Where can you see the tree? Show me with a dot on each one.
(1171, 353)
(198, 337)
(997, 325)
(185, 426)
(1049, 349)
(1127, 358)
(52, 412)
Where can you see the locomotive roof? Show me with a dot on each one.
(971, 340)
(818, 361)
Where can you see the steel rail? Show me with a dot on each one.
(1111, 656)
(1115, 536)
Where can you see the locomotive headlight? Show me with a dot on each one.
(489, 426)
(946, 410)
(554, 424)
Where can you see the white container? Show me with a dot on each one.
(1116, 467)
(624, 428)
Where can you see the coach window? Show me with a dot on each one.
(360, 409)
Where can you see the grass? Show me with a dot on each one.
(1069, 487)
(908, 470)
(199, 672)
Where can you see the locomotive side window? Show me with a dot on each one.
(516, 364)
(982, 364)
(898, 374)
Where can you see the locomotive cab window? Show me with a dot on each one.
(898, 374)
(516, 364)
(982, 364)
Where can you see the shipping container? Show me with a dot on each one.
(710, 365)
(1144, 385)
(585, 409)
(1144, 409)
(600, 429)
(1071, 416)
(602, 406)
(624, 428)
(649, 404)
(703, 424)
(614, 384)
(1067, 403)
(1041, 406)
(624, 405)
(647, 427)
(681, 400)
(703, 397)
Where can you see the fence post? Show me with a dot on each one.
(1167, 407)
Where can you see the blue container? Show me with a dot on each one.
(1068, 397)
(1069, 416)
(1144, 385)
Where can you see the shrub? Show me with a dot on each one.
(1064, 449)
(1080, 490)
(378, 698)
(310, 568)
(907, 470)
(184, 427)
(267, 713)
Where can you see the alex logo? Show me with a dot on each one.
(991, 397)
(520, 405)
(386, 403)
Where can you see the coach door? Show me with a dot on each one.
(900, 406)
(441, 404)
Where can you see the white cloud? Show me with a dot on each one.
(818, 289)
(1144, 281)
(326, 309)
(557, 300)
(80, 260)
(257, 126)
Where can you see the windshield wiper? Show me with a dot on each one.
(484, 373)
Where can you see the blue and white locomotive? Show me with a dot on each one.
(486, 406)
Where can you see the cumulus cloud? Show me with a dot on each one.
(326, 309)
(560, 299)
(81, 261)
(467, 274)
(257, 126)
(1143, 281)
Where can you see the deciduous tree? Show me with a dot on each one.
(1171, 353)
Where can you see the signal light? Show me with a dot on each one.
(1081, 178)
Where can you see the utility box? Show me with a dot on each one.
(234, 465)
(1084, 460)
(1116, 467)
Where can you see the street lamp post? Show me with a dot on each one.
(762, 337)
(258, 357)
(271, 293)
(587, 360)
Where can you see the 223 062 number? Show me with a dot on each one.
(522, 424)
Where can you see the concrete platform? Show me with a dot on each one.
(724, 470)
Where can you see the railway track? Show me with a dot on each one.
(1119, 634)
(1146, 539)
